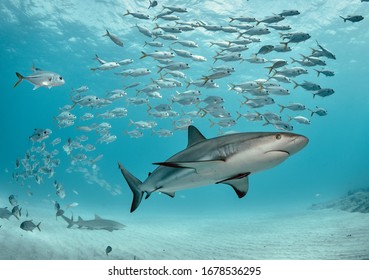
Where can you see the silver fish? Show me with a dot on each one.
(114, 38)
(41, 78)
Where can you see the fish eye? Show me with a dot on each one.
(278, 136)
(61, 78)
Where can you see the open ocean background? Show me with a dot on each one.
(64, 36)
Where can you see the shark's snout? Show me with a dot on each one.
(297, 142)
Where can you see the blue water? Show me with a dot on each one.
(65, 37)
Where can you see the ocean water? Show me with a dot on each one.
(64, 37)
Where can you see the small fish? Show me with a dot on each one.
(13, 201)
(289, 13)
(56, 206)
(80, 89)
(319, 111)
(223, 123)
(299, 119)
(109, 248)
(29, 226)
(106, 66)
(5, 213)
(137, 15)
(307, 85)
(293, 107)
(189, 44)
(163, 132)
(270, 19)
(352, 18)
(134, 133)
(16, 212)
(114, 38)
(324, 92)
(72, 205)
(327, 73)
(41, 79)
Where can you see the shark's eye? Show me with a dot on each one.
(278, 136)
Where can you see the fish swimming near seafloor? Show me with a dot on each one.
(5, 213)
(40, 78)
(227, 159)
(96, 224)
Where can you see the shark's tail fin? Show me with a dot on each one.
(134, 185)
(69, 221)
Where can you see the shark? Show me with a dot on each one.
(96, 224)
(228, 159)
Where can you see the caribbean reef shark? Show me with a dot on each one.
(96, 224)
(227, 159)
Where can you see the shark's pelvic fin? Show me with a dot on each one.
(134, 185)
(194, 136)
(240, 183)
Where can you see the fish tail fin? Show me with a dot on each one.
(231, 86)
(133, 184)
(143, 55)
(231, 19)
(38, 226)
(128, 12)
(344, 20)
(282, 108)
(160, 68)
(318, 72)
(106, 34)
(296, 84)
(270, 69)
(20, 78)
(238, 115)
(312, 112)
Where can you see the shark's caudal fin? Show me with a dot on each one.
(134, 185)
(69, 221)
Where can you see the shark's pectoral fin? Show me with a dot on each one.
(171, 194)
(201, 167)
(240, 183)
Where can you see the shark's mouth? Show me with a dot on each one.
(279, 151)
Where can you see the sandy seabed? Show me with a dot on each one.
(311, 234)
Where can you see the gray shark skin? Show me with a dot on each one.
(96, 224)
(227, 159)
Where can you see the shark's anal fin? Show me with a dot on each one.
(194, 136)
(240, 183)
(171, 194)
(201, 167)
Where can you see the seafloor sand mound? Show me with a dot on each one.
(354, 201)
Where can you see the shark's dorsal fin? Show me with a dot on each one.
(97, 217)
(80, 219)
(194, 136)
(240, 183)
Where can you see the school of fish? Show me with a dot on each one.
(179, 92)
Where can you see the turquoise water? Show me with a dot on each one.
(64, 38)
